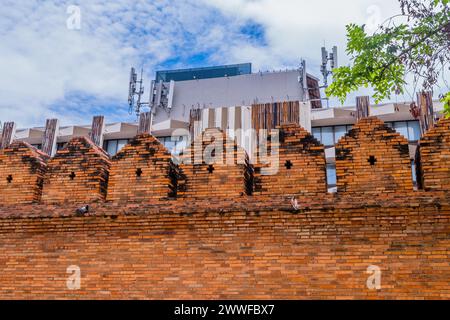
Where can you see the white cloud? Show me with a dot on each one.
(43, 63)
(48, 70)
(297, 29)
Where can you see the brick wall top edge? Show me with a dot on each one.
(328, 203)
(206, 137)
(87, 143)
(17, 145)
(443, 125)
(370, 123)
(141, 139)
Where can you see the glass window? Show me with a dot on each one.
(121, 143)
(111, 147)
(180, 145)
(204, 73)
(402, 128)
(331, 175)
(339, 132)
(174, 144)
(316, 134)
(413, 168)
(170, 145)
(389, 124)
(413, 131)
(327, 136)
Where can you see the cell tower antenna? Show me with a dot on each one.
(136, 105)
(331, 58)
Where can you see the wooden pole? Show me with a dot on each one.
(49, 138)
(97, 131)
(362, 107)
(145, 122)
(426, 111)
(9, 130)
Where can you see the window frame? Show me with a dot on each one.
(320, 128)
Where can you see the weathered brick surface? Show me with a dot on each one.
(433, 163)
(213, 242)
(257, 249)
(214, 166)
(373, 158)
(77, 173)
(22, 169)
(142, 171)
(295, 164)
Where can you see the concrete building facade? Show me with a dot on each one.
(183, 107)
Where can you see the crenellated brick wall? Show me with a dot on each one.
(433, 169)
(142, 171)
(78, 173)
(216, 238)
(373, 158)
(295, 164)
(22, 170)
(215, 166)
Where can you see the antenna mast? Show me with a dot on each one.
(133, 92)
(333, 59)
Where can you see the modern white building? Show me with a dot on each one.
(235, 99)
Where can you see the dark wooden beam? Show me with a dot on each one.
(8, 132)
(97, 131)
(145, 122)
(362, 107)
(426, 111)
(50, 135)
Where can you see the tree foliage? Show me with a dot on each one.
(418, 45)
(446, 101)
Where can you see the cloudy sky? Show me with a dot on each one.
(53, 64)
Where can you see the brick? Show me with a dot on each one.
(78, 173)
(373, 158)
(433, 158)
(142, 171)
(214, 166)
(22, 169)
(217, 240)
(301, 164)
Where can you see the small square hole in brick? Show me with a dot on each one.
(210, 168)
(372, 160)
(9, 178)
(288, 164)
(72, 175)
(138, 172)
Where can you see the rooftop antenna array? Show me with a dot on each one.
(133, 103)
(331, 58)
(327, 58)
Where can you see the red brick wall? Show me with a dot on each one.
(142, 171)
(77, 173)
(300, 165)
(214, 166)
(216, 240)
(371, 140)
(216, 250)
(22, 169)
(433, 163)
